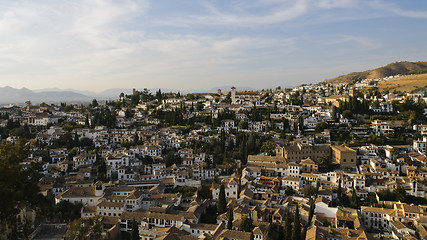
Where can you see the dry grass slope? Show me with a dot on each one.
(388, 70)
(410, 83)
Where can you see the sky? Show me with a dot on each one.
(202, 44)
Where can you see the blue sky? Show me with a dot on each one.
(100, 44)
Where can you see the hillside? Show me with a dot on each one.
(388, 70)
(411, 83)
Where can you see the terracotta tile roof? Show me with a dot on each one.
(76, 192)
(110, 204)
(233, 234)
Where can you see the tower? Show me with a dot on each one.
(352, 92)
(233, 95)
(99, 188)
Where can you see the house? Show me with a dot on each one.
(83, 159)
(324, 210)
(112, 209)
(230, 186)
(41, 119)
(293, 170)
(228, 124)
(419, 146)
(298, 152)
(197, 229)
(377, 218)
(309, 166)
(293, 182)
(381, 127)
(85, 195)
(325, 233)
(234, 235)
(117, 160)
(344, 156)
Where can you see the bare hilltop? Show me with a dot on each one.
(392, 69)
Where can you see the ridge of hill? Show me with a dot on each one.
(381, 72)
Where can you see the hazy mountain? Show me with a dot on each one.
(385, 71)
(108, 94)
(14, 95)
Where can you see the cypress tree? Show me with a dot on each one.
(134, 235)
(230, 220)
(354, 199)
(296, 229)
(287, 229)
(222, 202)
(334, 114)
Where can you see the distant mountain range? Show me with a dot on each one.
(385, 71)
(9, 95)
(13, 95)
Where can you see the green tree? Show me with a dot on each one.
(400, 193)
(287, 228)
(334, 114)
(94, 103)
(18, 185)
(309, 190)
(395, 152)
(67, 211)
(243, 124)
(246, 224)
(325, 164)
(268, 148)
(355, 202)
(80, 229)
(301, 124)
(159, 95)
(134, 235)
(321, 126)
(199, 106)
(129, 113)
(171, 159)
(347, 114)
(222, 202)
(296, 229)
(230, 219)
(289, 191)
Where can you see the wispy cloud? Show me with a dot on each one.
(109, 43)
(280, 13)
(91, 41)
(395, 10)
(359, 42)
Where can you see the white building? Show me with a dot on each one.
(230, 186)
(419, 146)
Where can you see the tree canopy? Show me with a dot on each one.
(18, 184)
